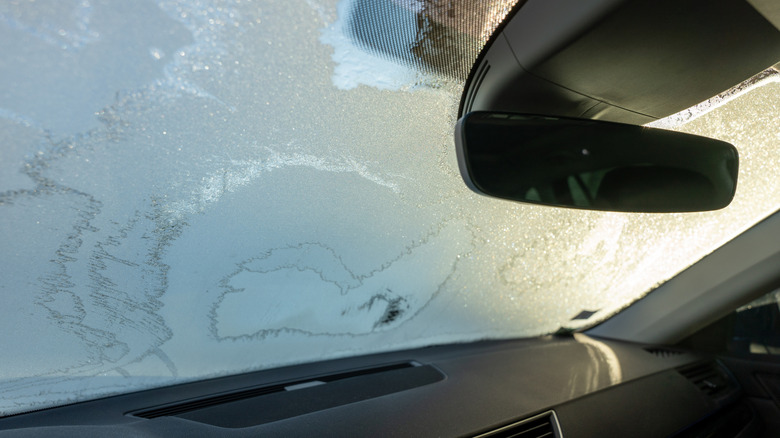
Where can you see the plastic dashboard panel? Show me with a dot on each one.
(593, 386)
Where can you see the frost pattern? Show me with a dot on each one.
(208, 187)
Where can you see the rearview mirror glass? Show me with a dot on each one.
(593, 164)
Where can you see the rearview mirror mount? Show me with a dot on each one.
(594, 165)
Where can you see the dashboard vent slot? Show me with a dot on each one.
(541, 426)
(663, 352)
(218, 399)
(253, 406)
(709, 377)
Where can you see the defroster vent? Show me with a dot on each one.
(710, 378)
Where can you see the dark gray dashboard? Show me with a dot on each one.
(589, 387)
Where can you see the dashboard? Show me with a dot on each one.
(557, 386)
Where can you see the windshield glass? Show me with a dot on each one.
(200, 188)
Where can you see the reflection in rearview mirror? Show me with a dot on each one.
(593, 165)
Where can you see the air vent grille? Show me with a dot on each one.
(709, 377)
(663, 352)
(541, 426)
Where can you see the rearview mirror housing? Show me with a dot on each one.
(594, 165)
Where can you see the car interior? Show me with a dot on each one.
(699, 356)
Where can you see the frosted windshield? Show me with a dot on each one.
(200, 188)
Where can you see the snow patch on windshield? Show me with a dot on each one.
(355, 66)
(330, 297)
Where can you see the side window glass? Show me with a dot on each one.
(756, 328)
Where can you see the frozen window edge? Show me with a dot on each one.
(770, 75)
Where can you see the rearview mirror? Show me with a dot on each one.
(593, 164)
